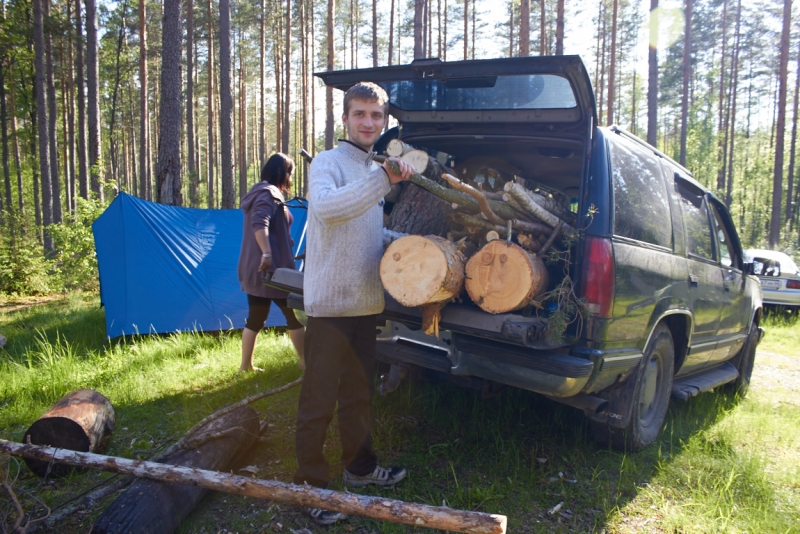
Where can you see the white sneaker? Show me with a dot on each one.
(381, 476)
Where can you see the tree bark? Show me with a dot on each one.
(542, 29)
(734, 92)
(190, 133)
(144, 111)
(41, 122)
(71, 141)
(419, 6)
(652, 80)
(243, 166)
(612, 67)
(4, 130)
(210, 111)
(93, 66)
(81, 420)
(52, 119)
(226, 105)
(262, 121)
(525, 28)
(83, 173)
(157, 507)
(329, 124)
(17, 155)
(168, 176)
(112, 137)
(722, 126)
(560, 28)
(503, 277)
(777, 181)
(789, 216)
(687, 74)
(287, 86)
(391, 31)
(381, 508)
(374, 33)
(466, 29)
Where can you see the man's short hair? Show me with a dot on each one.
(368, 92)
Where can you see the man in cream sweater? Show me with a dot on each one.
(343, 296)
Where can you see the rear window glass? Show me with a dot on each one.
(641, 204)
(530, 91)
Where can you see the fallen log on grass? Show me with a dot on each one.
(418, 515)
(82, 420)
(153, 507)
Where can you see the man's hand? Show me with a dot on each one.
(265, 265)
(405, 170)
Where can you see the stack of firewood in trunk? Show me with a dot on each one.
(494, 247)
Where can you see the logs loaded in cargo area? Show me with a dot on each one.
(493, 246)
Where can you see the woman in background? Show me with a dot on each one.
(266, 246)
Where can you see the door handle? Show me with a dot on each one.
(693, 280)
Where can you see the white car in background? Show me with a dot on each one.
(780, 287)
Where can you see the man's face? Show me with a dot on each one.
(364, 122)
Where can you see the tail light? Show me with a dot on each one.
(597, 282)
(793, 284)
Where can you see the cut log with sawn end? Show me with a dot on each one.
(153, 507)
(503, 277)
(82, 420)
(423, 271)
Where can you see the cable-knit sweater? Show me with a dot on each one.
(345, 234)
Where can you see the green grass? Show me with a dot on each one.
(722, 464)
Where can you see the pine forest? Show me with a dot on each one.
(181, 101)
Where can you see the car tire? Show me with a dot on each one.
(744, 362)
(650, 397)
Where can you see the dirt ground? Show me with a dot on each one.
(774, 371)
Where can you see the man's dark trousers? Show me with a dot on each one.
(340, 368)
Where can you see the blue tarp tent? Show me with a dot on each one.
(168, 269)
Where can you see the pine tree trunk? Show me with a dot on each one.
(734, 91)
(777, 181)
(112, 137)
(144, 106)
(71, 112)
(168, 176)
(687, 73)
(262, 122)
(287, 86)
(374, 33)
(511, 29)
(391, 32)
(652, 82)
(525, 28)
(226, 105)
(438, 27)
(52, 119)
(329, 125)
(612, 67)
(4, 133)
(210, 111)
(418, 8)
(560, 28)
(17, 155)
(83, 172)
(789, 217)
(722, 126)
(192, 170)
(542, 29)
(41, 122)
(466, 29)
(93, 66)
(242, 132)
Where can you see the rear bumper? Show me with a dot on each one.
(549, 373)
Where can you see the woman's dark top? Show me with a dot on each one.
(263, 208)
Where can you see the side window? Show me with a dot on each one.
(727, 252)
(641, 205)
(695, 218)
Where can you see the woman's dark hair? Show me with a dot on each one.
(277, 169)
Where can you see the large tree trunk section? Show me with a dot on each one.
(381, 508)
(423, 271)
(419, 212)
(153, 507)
(503, 277)
(81, 420)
